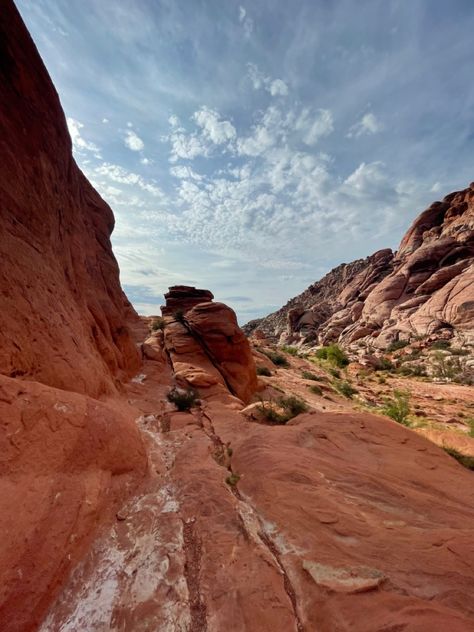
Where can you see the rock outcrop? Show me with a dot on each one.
(425, 289)
(207, 348)
(63, 313)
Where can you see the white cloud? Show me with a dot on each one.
(276, 87)
(145, 161)
(314, 126)
(216, 130)
(368, 124)
(186, 146)
(105, 120)
(118, 174)
(247, 23)
(173, 120)
(79, 143)
(184, 172)
(133, 141)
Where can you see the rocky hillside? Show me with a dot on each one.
(138, 491)
(425, 289)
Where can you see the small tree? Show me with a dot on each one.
(183, 399)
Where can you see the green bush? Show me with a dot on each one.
(344, 388)
(398, 407)
(291, 350)
(158, 324)
(232, 479)
(262, 370)
(397, 344)
(183, 399)
(277, 358)
(333, 354)
(440, 344)
(307, 375)
(314, 388)
(291, 406)
(335, 372)
(179, 316)
(384, 364)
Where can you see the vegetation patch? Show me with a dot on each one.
(263, 370)
(291, 350)
(396, 345)
(183, 399)
(232, 479)
(333, 354)
(158, 324)
(344, 388)
(398, 407)
(277, 358)
(307, 375)
(283, 410)
(314, 388)
(441, 344)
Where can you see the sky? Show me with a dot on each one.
(249, 148)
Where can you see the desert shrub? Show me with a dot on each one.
(277, 358)
(381, 380)
(446, 367)
(397, 344)
(293, 405)
(314, 388)
(346, 389)
(183, 399)
(466, 461)
(232, 479)
(459, 352)
(333, 354)
(398, 407)
(384, 364)
(158, 324)
(290, 407)
(263, 370)
(470, 423)
(335, 372)
(441, 344)
(307, 375)
(291, 350)
(179, 316)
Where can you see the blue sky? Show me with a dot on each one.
(248, 148)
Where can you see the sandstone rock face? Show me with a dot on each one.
(183, 298)
(206, 346)
(425, 289)
(63, 313)
(66, 459)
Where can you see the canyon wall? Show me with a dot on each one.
(424, 289)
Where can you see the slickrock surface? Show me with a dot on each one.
(426, 288)
(339, 521)
(63, 312)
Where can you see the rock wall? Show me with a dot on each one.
(425, 289)
(63, 313)
(66, 459)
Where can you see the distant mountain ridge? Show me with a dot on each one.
(424, 289)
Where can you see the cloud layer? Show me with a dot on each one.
(250, 148)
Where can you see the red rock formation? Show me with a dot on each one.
(426, 288)
(207, 348)
(65, 459)
(63, 313)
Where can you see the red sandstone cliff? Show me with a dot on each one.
(65, 459)
(426, 288)
(63, 313)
